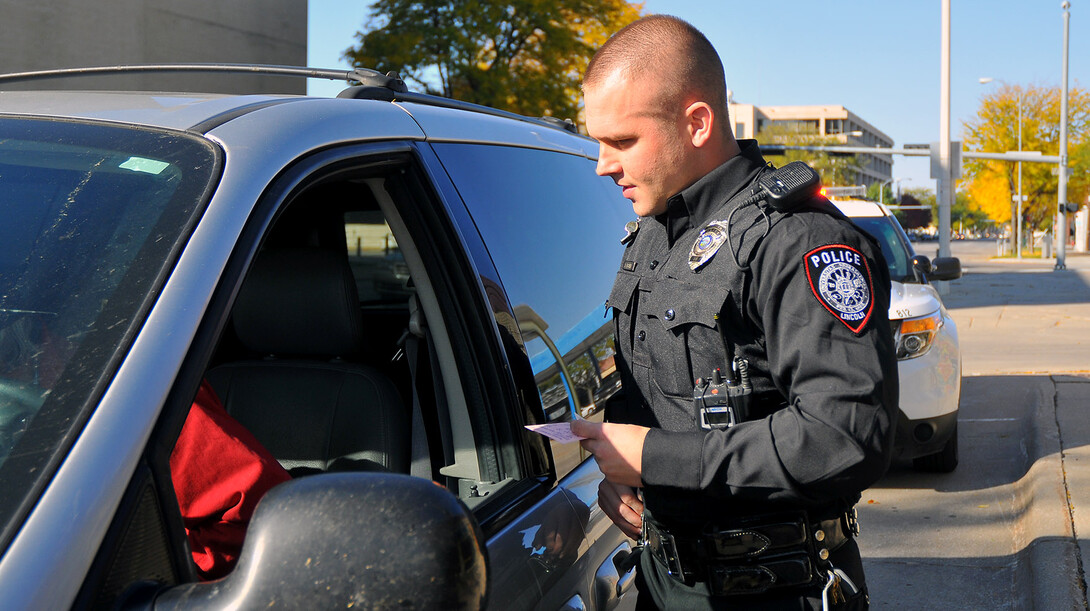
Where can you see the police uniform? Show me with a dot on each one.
(802, 296)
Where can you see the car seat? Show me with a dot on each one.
(301, 395)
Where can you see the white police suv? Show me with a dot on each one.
(928, 356)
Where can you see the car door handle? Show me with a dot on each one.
(609, 582)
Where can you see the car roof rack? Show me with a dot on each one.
(373, 85)
(359, 75)
(371, 92)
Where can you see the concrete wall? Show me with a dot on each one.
(45, 34)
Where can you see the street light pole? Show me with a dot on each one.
(1060, 234)
(882, 189)
(945, 191)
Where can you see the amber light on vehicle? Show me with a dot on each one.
(915, 335)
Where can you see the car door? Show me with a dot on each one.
(547, 227)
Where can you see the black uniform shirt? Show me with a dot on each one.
(824, 371)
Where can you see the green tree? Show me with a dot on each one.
(880, 192)
(526, 56)
(992, 184)
(835, 169)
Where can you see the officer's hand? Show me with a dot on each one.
(618, 448)
(622, 506)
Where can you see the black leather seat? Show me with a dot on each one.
(304, 399)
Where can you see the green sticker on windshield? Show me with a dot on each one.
(142, 164)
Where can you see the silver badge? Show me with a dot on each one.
(707, 244)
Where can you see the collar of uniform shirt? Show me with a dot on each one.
(692, 206)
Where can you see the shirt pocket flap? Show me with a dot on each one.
(675, 304)
(624, 286)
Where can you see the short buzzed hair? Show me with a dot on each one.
(678, 55)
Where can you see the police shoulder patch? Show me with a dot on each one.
(841, 280)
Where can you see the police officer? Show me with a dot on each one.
(728, 288)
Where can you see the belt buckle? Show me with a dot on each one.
(664, 548)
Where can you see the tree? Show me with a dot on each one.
(991, 185)
(526, 56)
(835, 169)
(880, 191)
(913, 218)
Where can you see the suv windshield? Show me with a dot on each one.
(91, 214)
(894, 243)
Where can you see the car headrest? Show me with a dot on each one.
(299, 302)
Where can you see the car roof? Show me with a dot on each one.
(861, 207)
(203, 112)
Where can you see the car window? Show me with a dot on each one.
(90, 215)
(544, 232)
(894, 245)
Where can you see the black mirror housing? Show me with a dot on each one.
(921, 268)
(344, 540)
(945, 268)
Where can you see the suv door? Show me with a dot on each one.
(546, 225)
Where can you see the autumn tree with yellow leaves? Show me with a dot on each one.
(525, 56)
(992, 184)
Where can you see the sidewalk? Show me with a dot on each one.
(1025, 317)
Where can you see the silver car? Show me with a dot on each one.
(382, 287)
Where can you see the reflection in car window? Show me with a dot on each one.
(543, 230)
(894, 247)
(91, 214)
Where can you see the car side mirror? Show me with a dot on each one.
(945, 268)
(344, 540)
(921, 268)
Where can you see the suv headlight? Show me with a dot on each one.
(914, 335)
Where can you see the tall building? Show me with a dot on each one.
(836, 124)
(48, 34)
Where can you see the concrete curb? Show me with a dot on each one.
(1050, 554)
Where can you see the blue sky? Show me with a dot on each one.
(879, 58)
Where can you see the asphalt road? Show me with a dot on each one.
(1010, 528)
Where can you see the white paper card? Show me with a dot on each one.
(557, 431)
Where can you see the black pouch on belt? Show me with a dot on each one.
(750, 556)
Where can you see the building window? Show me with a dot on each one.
(799, 126)
(739, 130)
(834, 126)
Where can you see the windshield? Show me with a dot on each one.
(90, 217)
(895, 248)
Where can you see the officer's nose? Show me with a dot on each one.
(608, 165)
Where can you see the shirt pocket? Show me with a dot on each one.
(620, 298)
(684, 340)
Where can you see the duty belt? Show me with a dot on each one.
(786, 550)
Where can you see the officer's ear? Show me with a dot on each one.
(701, 122)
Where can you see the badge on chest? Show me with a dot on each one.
(707, 244)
